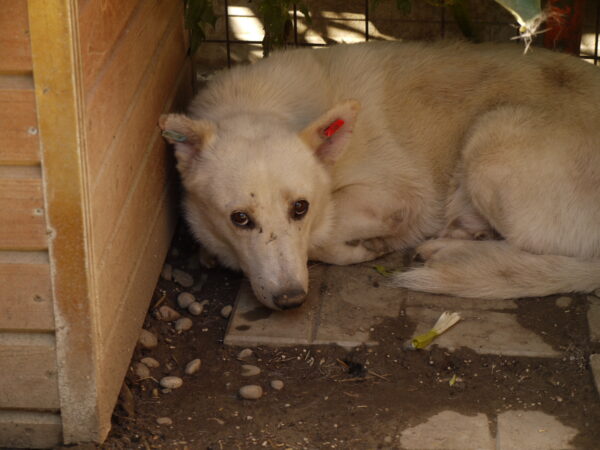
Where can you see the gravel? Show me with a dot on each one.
(167, 272)
(185, 299)
(147, 339)
(251, 392)
(141, 370)
(564, 302)
(248, 370)
(184, 324)
(226, 311)
(183, 278)
(150, 362)
(167, 314)
(164, 421)
(277, 384)
(171, 382)
(193, 366)
(245, 354)
(196, 308)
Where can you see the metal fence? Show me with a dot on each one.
(237, 37)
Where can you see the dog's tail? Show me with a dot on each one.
(496, 270)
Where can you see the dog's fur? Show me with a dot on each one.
(495, 154)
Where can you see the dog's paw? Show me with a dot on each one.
(378, 246)
(432, 248)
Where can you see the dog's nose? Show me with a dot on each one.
(289, 299)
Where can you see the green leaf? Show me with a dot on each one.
(198, 14)
(303, 8)
(381, 270)
(404, 6)
(459, 11)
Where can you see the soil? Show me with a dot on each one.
(334, 398)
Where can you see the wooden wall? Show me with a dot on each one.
(86, 210)
(28, 376)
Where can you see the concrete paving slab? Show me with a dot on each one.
(451, 431)
(351, 305)
(486, 332)
(346, 302)
(448, 303)
(343, 304)
(595, 366)
(253, 324)
(594, 317)
(532, 430)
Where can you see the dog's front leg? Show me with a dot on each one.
(350, 252)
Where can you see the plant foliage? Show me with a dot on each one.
(278, 25)
(198, 14)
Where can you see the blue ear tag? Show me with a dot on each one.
(174, 135)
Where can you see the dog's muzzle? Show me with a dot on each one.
(289, 299)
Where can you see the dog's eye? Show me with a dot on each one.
(299, 209)
(241, 219)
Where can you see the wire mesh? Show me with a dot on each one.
(428, 22)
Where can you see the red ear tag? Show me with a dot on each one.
(333, 128)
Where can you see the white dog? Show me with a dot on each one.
(344, 154)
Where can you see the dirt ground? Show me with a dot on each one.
(334, 398)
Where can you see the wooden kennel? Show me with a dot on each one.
(85, 213)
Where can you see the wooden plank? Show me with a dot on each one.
(25, 292)
(111, 97)
(25, 429)
(19, 143)
(15, 48)
(132, 304)
(57, 71)
(129, 238)
(126, 324)
(101, 22)
(122, 162)
(28, 378)
(22, 223)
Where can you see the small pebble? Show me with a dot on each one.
(183, 324)
(167, 272)
(150, 362)
(164, 421)
(183, 278)
(147, 339)
(249, 370)
(141, 370)
(277, 384)
(195, 309)
(563, 302)
(226, 311)
(245, 354)
(193, 366)
(171, 382)
(251, 392)
(167, 314)
(185, 299)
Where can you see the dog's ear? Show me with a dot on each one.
(188, 135)
(330, 134)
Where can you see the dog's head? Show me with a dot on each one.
(257, 192)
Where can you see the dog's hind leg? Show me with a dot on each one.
(538, 183)
(463, 221)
